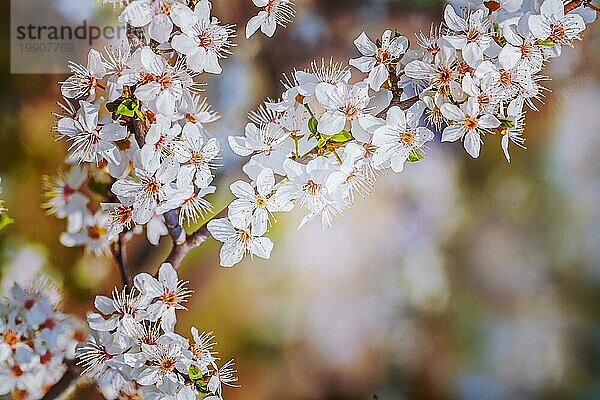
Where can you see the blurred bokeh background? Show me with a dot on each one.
(458, 279)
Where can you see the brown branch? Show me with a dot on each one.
(575, 4)
(193, 240)
(396, 102)
(176, 232)
(71, 375)
(139, 131)
(572, 5)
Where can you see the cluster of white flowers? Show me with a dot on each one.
(36, 338)
(145, 139)
(134, 352)
(140, 153)
(324, 142)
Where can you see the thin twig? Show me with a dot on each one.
(176, 232)
(396, 102)
(575, 4)
(69, 378)
(193, 240)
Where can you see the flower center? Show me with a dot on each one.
(244, 235)
(45, 359)
(190, 118)
(526, 50)
(152, 186)
(167, 364)
(196, 350)
(95, 232)
(160, 142)
(130, 396)
(94, 137)
(505, 77)
(470, 123)
(270, 6)
(369, 149)
(67, 191)
(483, 100)
(48, 324)
(197, 159)
(28, 304)
(123, 214)
(16, 371)
(445, 76)
(383, 56)
(145, 77)
(19, 394)
(165, 7)
(312, 187)
(169, 298)
(204, 40)
(351, 111)
(407, 137)
(10, 338)
(557, 34)
(165, 81)
(473, 36)
(79, 335)
(261, 201)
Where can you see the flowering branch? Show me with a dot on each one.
(319, 147)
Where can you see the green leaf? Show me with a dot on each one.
(5, 220)
(128, 107)
(194, 373)
(113, 105)
(201, 387)
(506, 122)
(139, 113)
(322, 141)
(342, 136)
(121, 106)
(546, 42)
(414, 156)
(312, 125)
(99, 187)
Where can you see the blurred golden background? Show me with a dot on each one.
(458, 279)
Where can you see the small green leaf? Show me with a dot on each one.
(506, 122)
(312, 125)
(127, 108)
(546, 42)
(201, 387)
(414, 156)
(5, 220)
(139, 113)
(194, 373)
(342, 136)
(99, 187)
(322, 141)
(113, 105)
